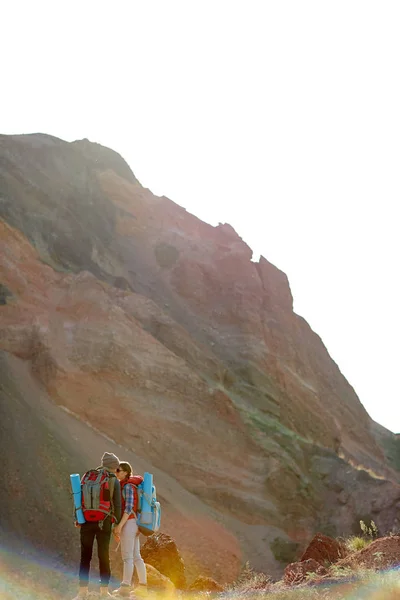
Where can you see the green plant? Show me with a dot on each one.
(337, 571)
(284, 550)
(356, 543)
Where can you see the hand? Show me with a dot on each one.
(117, 532)
(77, 525)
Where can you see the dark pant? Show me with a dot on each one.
(90, 531)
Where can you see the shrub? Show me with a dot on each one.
(371, 531)
(338, 571)
(284, 550)
(250, 580)
(355, 543)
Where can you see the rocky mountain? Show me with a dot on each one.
(127, 324)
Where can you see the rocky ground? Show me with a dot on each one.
(334, 572)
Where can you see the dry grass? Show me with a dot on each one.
(366, 586)
(249, 581)
(342, 583)
(361, 584)
(356, 543)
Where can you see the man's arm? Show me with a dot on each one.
(117, 500)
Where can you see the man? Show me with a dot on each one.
(101, 531)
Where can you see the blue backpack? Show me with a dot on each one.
(149, 512)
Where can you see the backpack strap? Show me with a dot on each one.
(149, 499)
(111, 484)
(135, 491)
(140, 493)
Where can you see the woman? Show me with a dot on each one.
(127, 531)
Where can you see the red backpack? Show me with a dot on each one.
(134, 480)
(97, 492)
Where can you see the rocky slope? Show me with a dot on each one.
(160, 332)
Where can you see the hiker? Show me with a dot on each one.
(127, 533)
(108, 493)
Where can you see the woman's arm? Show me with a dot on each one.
(122, 522)
(129, 496)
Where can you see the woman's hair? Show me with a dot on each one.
(125, 466)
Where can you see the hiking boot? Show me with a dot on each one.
(123, 591)
(104, 593)
(82, 594)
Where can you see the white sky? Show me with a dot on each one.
(280, 117)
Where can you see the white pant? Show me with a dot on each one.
(130, 552)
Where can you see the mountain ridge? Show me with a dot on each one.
(129, 309)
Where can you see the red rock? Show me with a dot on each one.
(161, 552)
(158, 581)
(381, 554)
(296, 573)
(324, 549)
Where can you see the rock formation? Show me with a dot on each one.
(161, 552)
(324, 549)
(298, 572)
(125, 317)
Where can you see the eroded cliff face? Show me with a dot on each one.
(159, 331)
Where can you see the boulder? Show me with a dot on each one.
(161, 552)
(324, 549)
(297, 572)
(381, 554)
(205, 584)
(158, 581)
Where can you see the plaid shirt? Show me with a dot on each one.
(128, 495)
